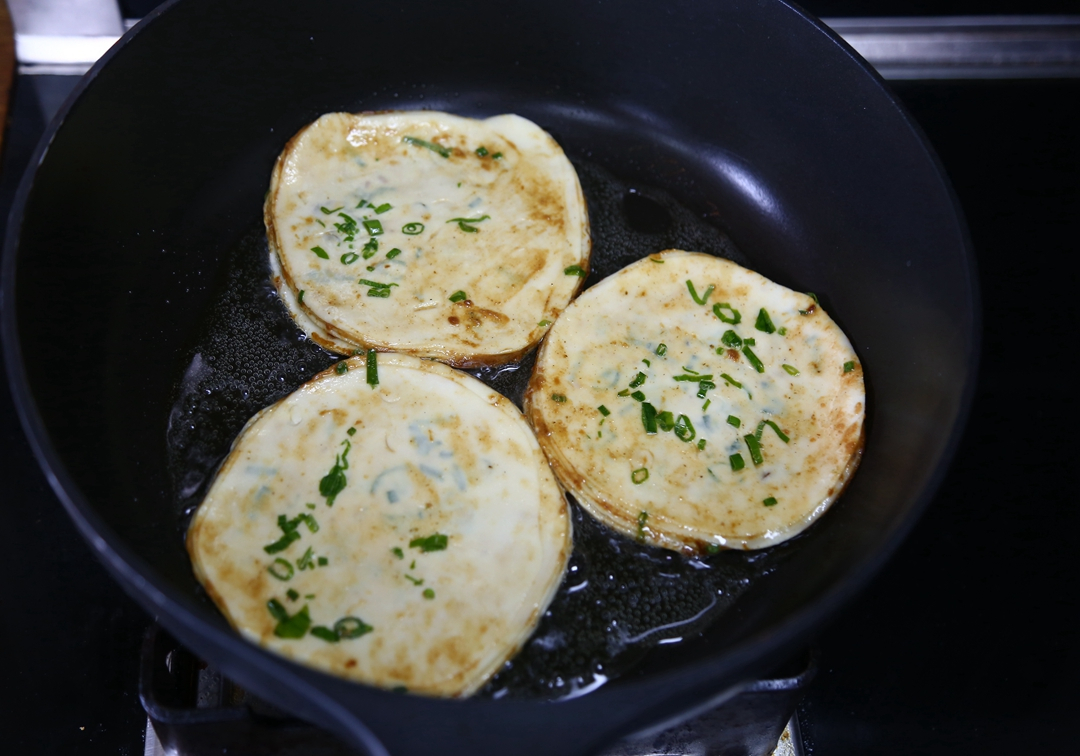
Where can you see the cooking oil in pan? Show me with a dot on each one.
(619, 598)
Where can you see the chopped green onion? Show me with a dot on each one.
(412, 229)
(393, 253)
(641, 520)
(764, 322)
(383, 208)
(735, 318)
(693, 377)
(325, 634)
(560, 398)
(849, 366)
(434, 542)
(639, 476)
(286, 567)
(429, 593)
(396, 551)
(411, 579)
(813, 296)
(282, 543)
(731, 339)
(705, 406)
(736, 461)
(753, 359)
(458, 296)
(349, 258)
(733, 421)
(375, 284)
(704, 387)
(790, 369)
(782, 331)
(684, 429)
(712, 548)
(370, 249)
(666, 421)
(305, 562)
(731, 381)
(351, 627)
(603, 410)
(624, 392)
(749, 342)
(374, 227)
(379, 293)
(648, 417)
(575, 270)
(481, 151)
(417, 142)
(497, 156)
(647, 363)
(701, 444)
(341, 368)
(277, 610)
(372, 369)
(690, 370)
(638, 395)
(295, 626)
(780, 434)
(661, 350)
(300, 296)
(754, 447)
(704, 297)
(325, 211)
(770, 501)
(639, 380)
(323, 561)
(351, 431)
(653, 259)
(543, 323)
(463, 223)
(292, 594)
(320, 252)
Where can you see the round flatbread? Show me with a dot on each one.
(426, 233)
(407, 534)
(694, 404)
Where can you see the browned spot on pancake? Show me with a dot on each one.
(733, 354)
(453, 320)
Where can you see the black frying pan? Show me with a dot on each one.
(750, 114)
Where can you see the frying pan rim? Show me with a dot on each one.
(146, 586)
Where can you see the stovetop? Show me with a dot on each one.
(964, 644)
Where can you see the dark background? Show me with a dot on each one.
(966, 641)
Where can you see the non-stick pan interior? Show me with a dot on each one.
(747, 114)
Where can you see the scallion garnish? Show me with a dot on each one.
(736, 461)
(642, 518)
(372, 369)
(320, 252)
(417, 142)
(770, 501)
(733, 421)
(653, 259)
(782, 331)
(684, 429)
(753, 359)
(790, 369)
(639, 380)
(764, 322)
(624, 392)
(383, 208)
(434, 542)
(412, 229)
(374, 227)
(497, 156)
(754, 447)
(705, 406)
(560, 398)
(300, 296)
(543, 323)
(647, 363)
(458, 296)
(327, 211)
(603, 410)
(779, 433)
(429, 593)
(464, 223)
(379, 293)
(704, 387)
(575, 270)
(349, 258)
(648, 417)
(661, 350)
(371, 248)
(295, 626)
(282, 543)
(849, 366)
(341, 368)
(701, 444)
(704, 297)
(292, 594)
(481, 151)
(813, 296)
(286, 569)
(324, 633)
(639, 475)
(334, 482)
(638, 396)
(718, 310)
(731, 381)
(666, 420)
(731, 339)
(277, 610)
(396, 551)
(413, 580)
(323, 561)
(351, 627)
(393, 253)
(351, 431)
(749, 342)
(305, 562)
(697, 378)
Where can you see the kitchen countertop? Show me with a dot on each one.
(965, 643)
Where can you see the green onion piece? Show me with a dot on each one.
(393, 253)
(429, 593)
(320, 252)
(300, 296)
(661, 350)
(341, 368)
(412, 229)
(325, 634)
(603, 410)
(560, 398)
(326, 211)
(638, 395)
(292, 594)
(624, 392)
(575, 270)
(434, 542)
(295, 626)
(323, 561)
(764, 322)
(396, 551)
(754, 447)
(639, 476)
(641, 519)
(648, 417)
(305, 562)
(666, 420)
(383, 208)
(351, 627)
(463, 223)
(417, 142)
(849, 366)
(705, 406)
(639, 380)
(790, 370)
(647, 363)
(348, 228)
(372, 369)
(712, 548)
(753, 359)
(282, 543)
(693, 377)
(370, 249)
(543, 323)
(779, 433)
(704, 297)
(701, 444)
(736, 461)
(689, 370)
(749, 342)
(277, 610)
(375, 284)
(351, 431)
(286, 569)
(497, 156)
(704, 387)
(684, 429)
(653, 259)
(813, 296)
(361, 203)
(782, 331)
(458, 296)
(718, 310)
(731, 339)
(733, 421)
(481, 151)
(411, 579)
(731, 381)
(374, 227)
(380, 293)
(769, 502)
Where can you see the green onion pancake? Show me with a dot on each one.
(393, 521)
(426, 233)
(696, 405)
